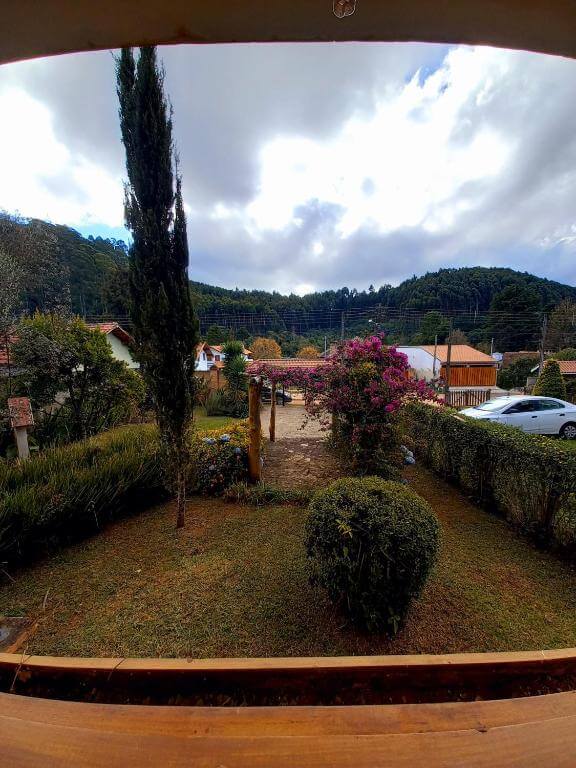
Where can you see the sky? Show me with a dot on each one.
(315, 166)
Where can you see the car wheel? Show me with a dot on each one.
(568, 431)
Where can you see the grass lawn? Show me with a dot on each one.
(210, 422)
(234, 583)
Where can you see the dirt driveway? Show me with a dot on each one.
(299, 458)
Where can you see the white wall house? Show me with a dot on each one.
(119, 341)
(421, 361)
(469, 368)
(210, 355)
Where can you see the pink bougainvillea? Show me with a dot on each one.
(357, 391)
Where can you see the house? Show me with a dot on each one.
(210, 362)
(119, 340)
(567, 369)
(468, 366)
(211, 355)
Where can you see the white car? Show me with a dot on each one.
(539, 415)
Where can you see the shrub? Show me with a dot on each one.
(517, 373)
(200, 389)
(70, 492)
(221, 402)
(262, 495)
(372, 544)
(550, 382)
(529, 479)
(571, 390)
(76, 386)
(219, 458)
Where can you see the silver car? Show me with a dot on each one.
(539, 415)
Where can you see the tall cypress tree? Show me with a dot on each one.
(165, 326)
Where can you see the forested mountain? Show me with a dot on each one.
(60, 267)
(472, 289)
(467, 289)
(89, 275)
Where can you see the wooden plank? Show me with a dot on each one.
(265, 722)
(294, 681)
(299, 663)
(529, 745)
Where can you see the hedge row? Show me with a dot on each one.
(70, 492)
(530, 480)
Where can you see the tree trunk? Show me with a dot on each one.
(181, 499)
(254, 467)
(9, 363)
(273, 414)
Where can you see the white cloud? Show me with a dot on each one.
(398, 167)
(318, 166)
(40, 176)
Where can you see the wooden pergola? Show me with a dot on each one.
(283, 372)
(447, 727)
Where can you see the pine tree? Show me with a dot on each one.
(165, 326)
(550, 382)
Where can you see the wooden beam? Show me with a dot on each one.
(329, 680)
(255, 431)
(32, 28)
(509, 734)
(273, 414)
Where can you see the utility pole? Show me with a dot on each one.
(448, 366)
(491, 346)
(543, 342)
(342, 326)
(435, 351)
(325, 346)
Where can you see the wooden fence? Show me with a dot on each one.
(467, 398)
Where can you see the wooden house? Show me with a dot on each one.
(468, 366)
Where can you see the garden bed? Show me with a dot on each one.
(234, 583)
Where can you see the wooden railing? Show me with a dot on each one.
(451, 729)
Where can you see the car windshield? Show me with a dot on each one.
(492, 405)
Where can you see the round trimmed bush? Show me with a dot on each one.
(372, 544)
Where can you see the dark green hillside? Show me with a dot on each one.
(61, 267)
(473, 288)
(90, 276)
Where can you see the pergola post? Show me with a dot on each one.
(255, 431)
(273, 413)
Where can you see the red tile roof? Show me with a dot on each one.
(286, 363)
(114, 329)
(567, 367)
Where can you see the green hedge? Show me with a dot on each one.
(70, 492)
(529, 479)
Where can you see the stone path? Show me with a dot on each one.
(300, 457)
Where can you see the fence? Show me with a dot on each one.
(466, 398)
